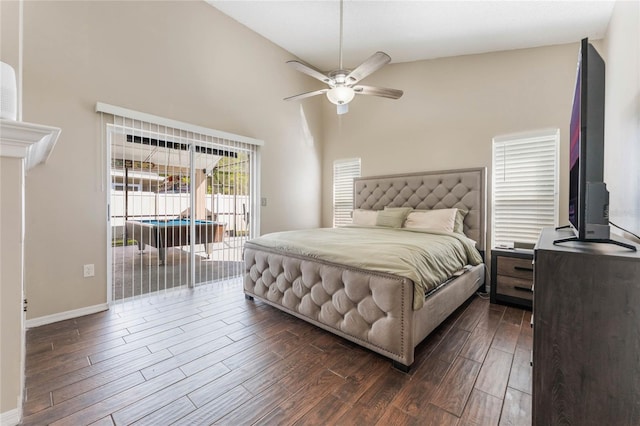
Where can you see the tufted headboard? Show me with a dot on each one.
(464, 189)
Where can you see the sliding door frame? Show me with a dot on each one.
(235, 145)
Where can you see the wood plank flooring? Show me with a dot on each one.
(208, 356)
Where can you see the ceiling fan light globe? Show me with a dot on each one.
(340, 95)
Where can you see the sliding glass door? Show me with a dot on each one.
(181, 205)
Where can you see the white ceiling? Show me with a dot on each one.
(415, 30)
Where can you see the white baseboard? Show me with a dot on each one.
(61, 316)
(10, 418)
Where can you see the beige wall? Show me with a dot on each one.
(11, 196)
(622, 115)
(451, 110)
(10, 237)
(9, 33)
(181, 60)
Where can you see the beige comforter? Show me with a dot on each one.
(427, 258)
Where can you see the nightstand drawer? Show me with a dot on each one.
(516, 267)
(512, 277)
(514, 287)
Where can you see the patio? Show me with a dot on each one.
(169, 190)
(137, 273)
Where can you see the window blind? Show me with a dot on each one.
(525, 187)
(344, 171)
(181, 204)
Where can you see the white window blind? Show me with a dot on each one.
(182, 201)
(525, 186)
(344, 171)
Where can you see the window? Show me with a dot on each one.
(525, 186)
(344, 171)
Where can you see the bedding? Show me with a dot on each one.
(392, 218)
(458, 225)
(426, 257)
(383, 307)
(437, 220)
(364, 217)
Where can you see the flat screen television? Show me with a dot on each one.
(586, 155)
(588, 195)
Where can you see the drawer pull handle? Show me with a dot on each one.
(522, 268)
(528, 290)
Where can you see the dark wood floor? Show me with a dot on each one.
(209, 356)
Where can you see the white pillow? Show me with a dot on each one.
(437, 220)
(365, 217)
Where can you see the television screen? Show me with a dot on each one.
(588, 194)
(574, 151)
(588, 197)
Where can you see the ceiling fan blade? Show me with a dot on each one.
(309, 70)
(372, 64)
(378, 91)
(306, 95)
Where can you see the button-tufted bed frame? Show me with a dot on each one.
(375, 309)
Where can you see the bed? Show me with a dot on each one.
(379, 310)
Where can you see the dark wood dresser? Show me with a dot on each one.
(586, 333)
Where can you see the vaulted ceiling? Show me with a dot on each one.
(416, 30)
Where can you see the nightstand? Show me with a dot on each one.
(512, 277)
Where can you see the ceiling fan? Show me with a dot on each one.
(343, 83)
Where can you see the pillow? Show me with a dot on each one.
(458, 226)
(365, 217)
(437, 220)
(392, 217)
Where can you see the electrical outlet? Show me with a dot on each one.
(263, 202)
(89, 270)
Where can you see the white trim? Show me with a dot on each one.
(33, 142)
(106, 147)
(257, 195)
(531, 135)
(11, 417)
(192, 216)
(61, 316)
(150, 118)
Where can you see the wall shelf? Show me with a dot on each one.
(33, 142)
